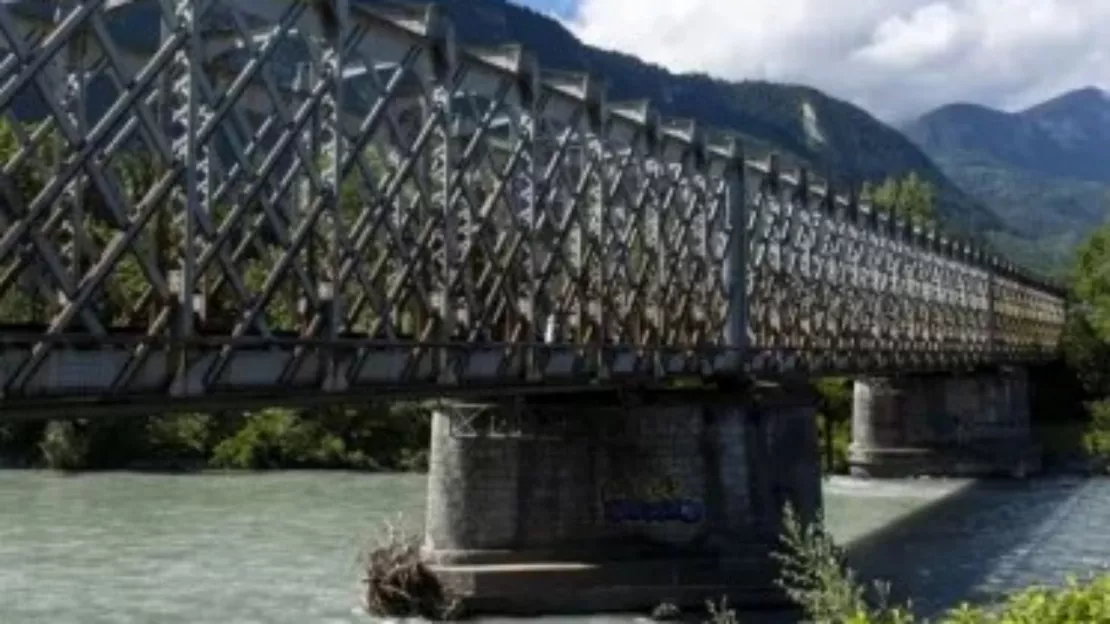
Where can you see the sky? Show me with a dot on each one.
(896, 58)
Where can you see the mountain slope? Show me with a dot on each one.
(1043, 170)
(830, 135)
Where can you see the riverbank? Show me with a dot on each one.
(391, 437)
(394, 438)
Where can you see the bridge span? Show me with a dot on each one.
(210, 203)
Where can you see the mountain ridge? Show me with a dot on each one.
(1041, 169)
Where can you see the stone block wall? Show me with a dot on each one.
(576, 481)
(672, 495)
(969, 424)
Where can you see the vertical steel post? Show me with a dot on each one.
(167, 111)
(528, 128)
(596, 221)
(579, 159)
(74, 104)
(305, 79)
(658, 150)
(329, 291)
(736, 260)
(992, 266)
(313, 132)
(187, 62)
(442, 105)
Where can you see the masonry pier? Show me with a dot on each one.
(597, 505)
(968, 424)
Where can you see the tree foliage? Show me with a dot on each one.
(910, 196)
(816, 576)
(1092, 283)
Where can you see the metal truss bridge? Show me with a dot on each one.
(288, 200)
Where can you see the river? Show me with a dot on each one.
(283, 547)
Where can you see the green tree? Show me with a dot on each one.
(1092, 283)
(1086, 339)
(909, 196)
(1086, 336)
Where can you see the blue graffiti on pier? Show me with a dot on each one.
(674, 510)
(653, 501)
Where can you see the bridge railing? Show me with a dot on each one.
(222, 195)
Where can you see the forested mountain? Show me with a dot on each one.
(1044, 170)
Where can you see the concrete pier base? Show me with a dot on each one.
(943, 425)
(581, 506)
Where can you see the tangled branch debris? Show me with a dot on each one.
(399, 584)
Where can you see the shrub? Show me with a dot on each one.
(276, 438)
(721, 614)
(835, 422)
(103, 443)
(666, 612)
(374, 437)
(816, 577)
(20, 443)
(1096, 436)
(835, 449)
(371, 437)
(396, 435)
(1086, 353)
(64, 446)
(179, 436)
(1075, 603)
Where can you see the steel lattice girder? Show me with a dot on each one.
(259, 200)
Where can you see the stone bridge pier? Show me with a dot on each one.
(970, 424)
(597, 505)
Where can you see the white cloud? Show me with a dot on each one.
(897, 58)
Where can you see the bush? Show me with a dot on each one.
(666, 612)
(1096, 436)
(179, 436)
(395, 436)
(64, 446)
(835, 449)
(105, 443)
(1076, 603)
(371, 437)
(816, 577)
(1086, 353)
(279, 438)
(19, 443)
(721, 614)
(834, 427)
(375, 437)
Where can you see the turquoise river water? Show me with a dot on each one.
(283, 548)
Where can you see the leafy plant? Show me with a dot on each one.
(721, 614)
(666, 612)
(64, 447)
(815, 575)
(834, 427)
(908, 197)
(817, 578)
